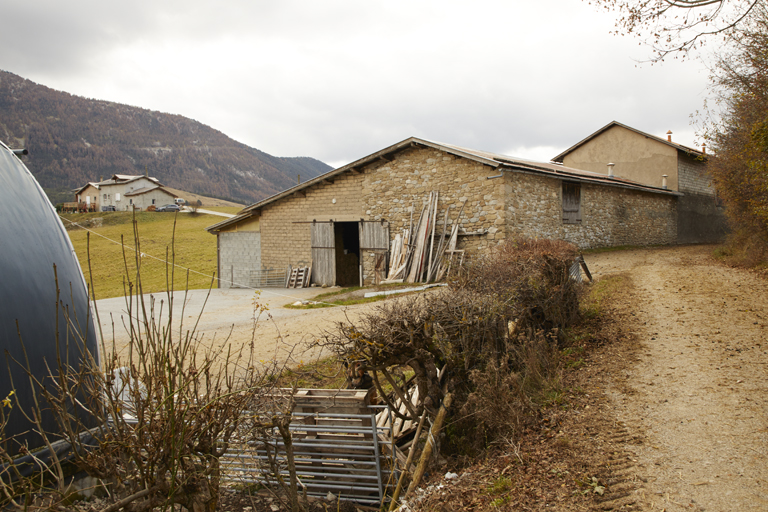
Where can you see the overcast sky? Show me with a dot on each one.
(340, 79)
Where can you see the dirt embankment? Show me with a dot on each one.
(668, 410)
(691, 394)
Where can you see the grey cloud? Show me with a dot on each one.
(339, 79)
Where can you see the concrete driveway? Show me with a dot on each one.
(228, 319)
(187, 209)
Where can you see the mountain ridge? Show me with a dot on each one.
(73, 140)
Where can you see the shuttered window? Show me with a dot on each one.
(571, 203)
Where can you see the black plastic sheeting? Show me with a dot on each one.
(32, 240)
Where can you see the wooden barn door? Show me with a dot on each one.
(374, 238)
(571, 203)
(323, 254)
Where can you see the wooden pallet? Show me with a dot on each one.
(299, 277)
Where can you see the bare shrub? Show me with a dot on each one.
(502, 395)
(424, 333)
(165, 412)
(465, 330)
(530, 278)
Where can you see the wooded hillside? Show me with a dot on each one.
(73, 140)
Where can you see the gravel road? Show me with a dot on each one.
(696, 390)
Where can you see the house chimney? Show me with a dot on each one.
(610, 169)
(669, 135)
(704, 148)
(664, 181)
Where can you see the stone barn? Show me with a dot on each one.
(660, 162)
(342, 222)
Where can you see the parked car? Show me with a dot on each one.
(168, 208)
(108, 208)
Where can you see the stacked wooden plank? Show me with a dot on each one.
(420, 253)
(397, 427)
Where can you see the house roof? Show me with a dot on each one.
(89, 184)
(144, 190)
(120, 179)
(496, 161)
(679, 147)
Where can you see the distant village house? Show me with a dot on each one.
(123, 192)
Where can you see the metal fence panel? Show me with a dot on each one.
(267, 278)
(336, 453)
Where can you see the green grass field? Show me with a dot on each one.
(110, 263)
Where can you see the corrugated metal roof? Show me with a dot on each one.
(497, 161)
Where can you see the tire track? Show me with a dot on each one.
(694, 403)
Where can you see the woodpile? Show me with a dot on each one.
(419, 253)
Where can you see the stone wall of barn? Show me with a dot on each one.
(391, 189)
(693, 177)
(610, 216)
(286, 224)
(699, 218)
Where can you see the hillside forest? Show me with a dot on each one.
(73, 140)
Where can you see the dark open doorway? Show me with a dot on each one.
(347, 238)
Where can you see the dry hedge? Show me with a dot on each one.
(495, 327)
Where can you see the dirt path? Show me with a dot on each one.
(692, 405)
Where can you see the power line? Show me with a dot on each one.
(162, 260)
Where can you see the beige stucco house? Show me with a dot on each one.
(342, 222)
(125, 192)
(644, 158)
(88, 194)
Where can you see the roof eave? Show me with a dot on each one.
(215, 228)
(596, 180)
(360, 163)
(679, 147)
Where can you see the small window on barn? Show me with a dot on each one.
(105, 196)
(153, 201)
(571, 203)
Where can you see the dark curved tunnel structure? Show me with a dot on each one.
(32, 241)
